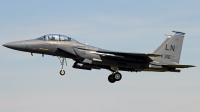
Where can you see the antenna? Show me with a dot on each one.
(169, 36)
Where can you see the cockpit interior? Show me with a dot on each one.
(56, 37)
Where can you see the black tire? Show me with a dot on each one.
(62, 72)
(117, 76)
(111, 79)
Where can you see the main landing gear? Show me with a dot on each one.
(62, 61)
(116, 76)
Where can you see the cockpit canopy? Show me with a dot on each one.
(56, 37)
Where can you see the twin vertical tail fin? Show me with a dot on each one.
(170, 49)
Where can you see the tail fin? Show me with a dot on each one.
(170, 49)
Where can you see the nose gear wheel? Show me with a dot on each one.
(62, 72)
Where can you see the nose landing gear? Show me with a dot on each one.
(62, 61)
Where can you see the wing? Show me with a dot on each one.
(131, 54)
(124, 55)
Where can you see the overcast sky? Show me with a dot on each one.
(33, 84)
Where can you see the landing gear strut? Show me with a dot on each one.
(114, 77)
(62, 61)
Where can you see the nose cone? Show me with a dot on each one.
(19, 45)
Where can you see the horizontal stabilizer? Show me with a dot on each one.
(180, 66)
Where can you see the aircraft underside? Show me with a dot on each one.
(115, 74)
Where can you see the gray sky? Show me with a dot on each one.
(33, 84)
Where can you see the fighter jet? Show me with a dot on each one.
(164, 59)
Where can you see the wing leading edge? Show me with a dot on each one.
(126, 54)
